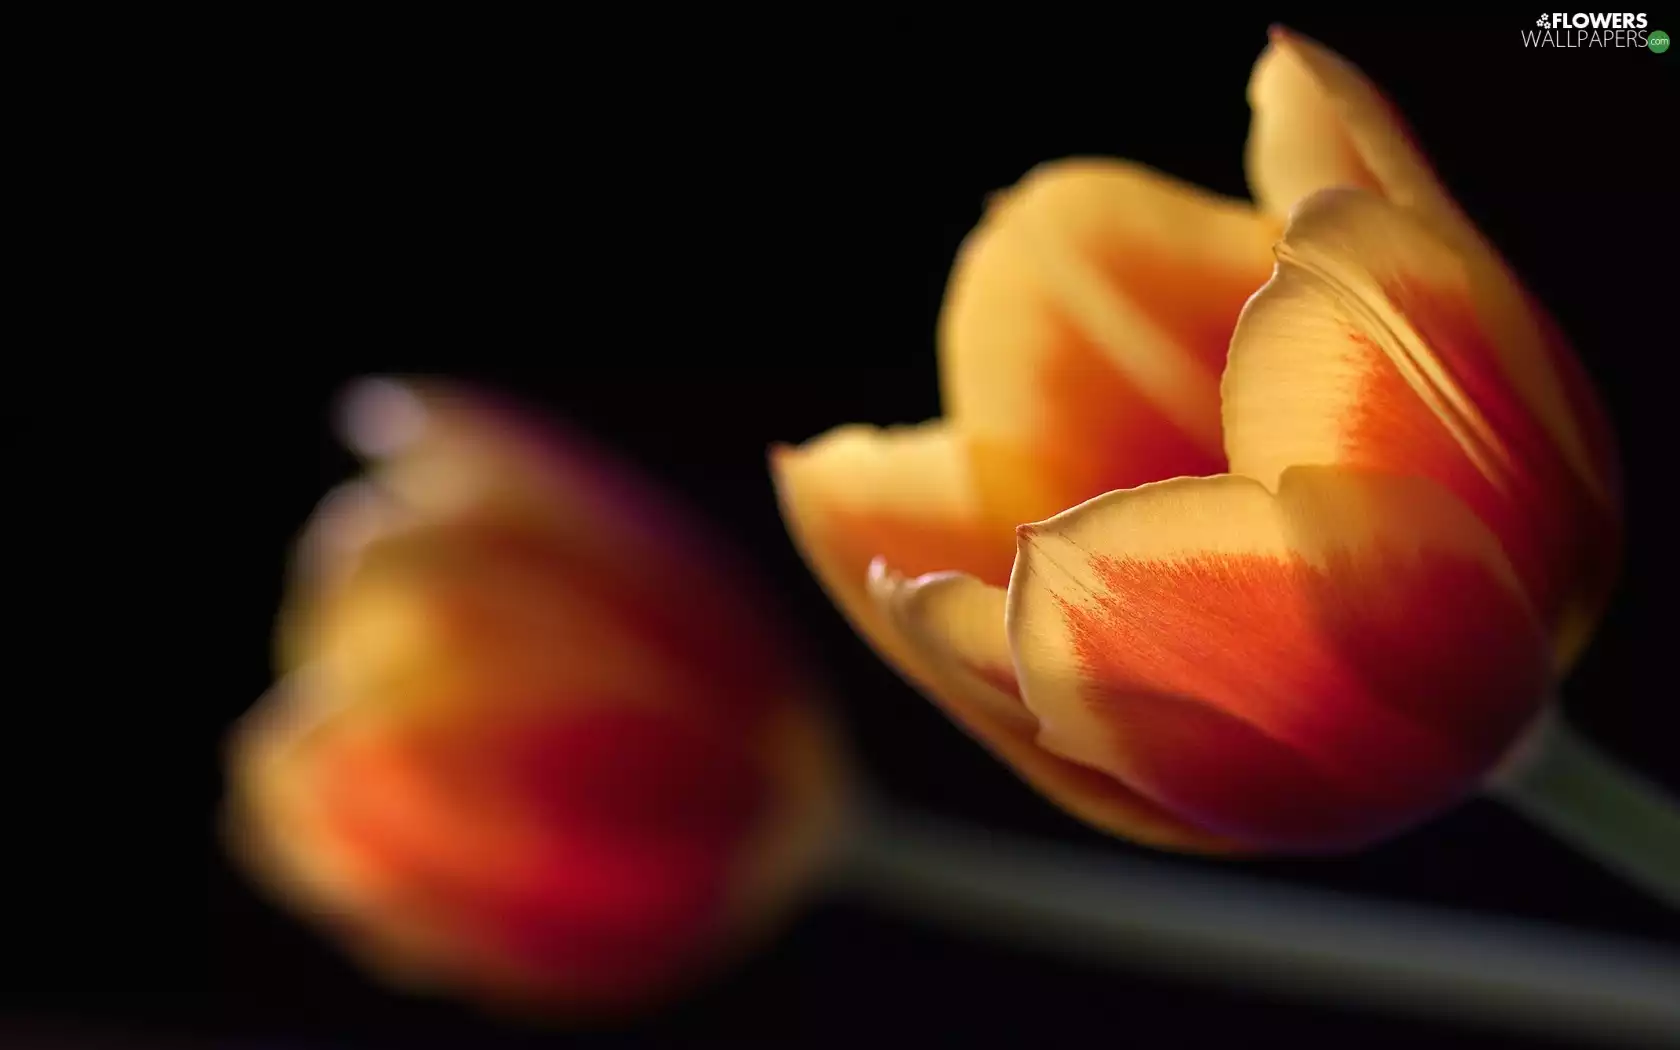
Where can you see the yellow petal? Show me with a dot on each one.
(438, 449)
(1084, 330)
(482, 534)
(476, 610)
(1318, 122)
(956, 624)
(1310, 670)
(906, 494)
(1369, 347)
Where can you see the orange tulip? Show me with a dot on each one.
(1329, 541)
(534, 740)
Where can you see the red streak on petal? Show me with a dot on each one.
(587, 854)
(1296, 708)
(1000, 678)
(737, 663)
(633, 774)
(1012, 734)
(1101, 433)
(1556, 534)
(1093, 793)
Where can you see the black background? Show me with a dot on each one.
(694, 247)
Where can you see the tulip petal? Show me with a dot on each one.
(1084, 330)
(956, 623)
(1305, 671)
(479, 604)
(1369, 348)
(483, 534)
(440, 449)
(904, 494)
(1319, 123)
(585, 856)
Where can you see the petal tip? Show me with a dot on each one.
(1026, 536)
(880, 575)
(380, 416)
(888, 588)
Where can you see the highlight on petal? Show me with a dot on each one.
(1084, 330)
(1369, 347)
(956, 624)
(1308, 670)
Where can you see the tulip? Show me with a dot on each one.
(534, 740)
(1298, 565)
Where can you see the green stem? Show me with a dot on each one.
(1165, 915)
(1583, 796)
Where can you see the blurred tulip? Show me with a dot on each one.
(535, 739)
(1391, 490)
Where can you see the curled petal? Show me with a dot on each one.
(1085, 327)
(956, 624)
(1369, 348)
(904, 494)
(1307, 670)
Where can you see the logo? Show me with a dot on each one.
(1603, 29)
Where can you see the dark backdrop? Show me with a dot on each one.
(695, 247)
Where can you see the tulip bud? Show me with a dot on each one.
(537, 740)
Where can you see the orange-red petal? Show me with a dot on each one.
(1320, 123)
(956, 623)
(524, 850)
(1370, 348)
(1084, 330)
(1308, 670)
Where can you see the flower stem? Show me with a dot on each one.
(1169, 916)
(1583, 796)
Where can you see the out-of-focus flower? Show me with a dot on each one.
(1305, 612)
(536, 739)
